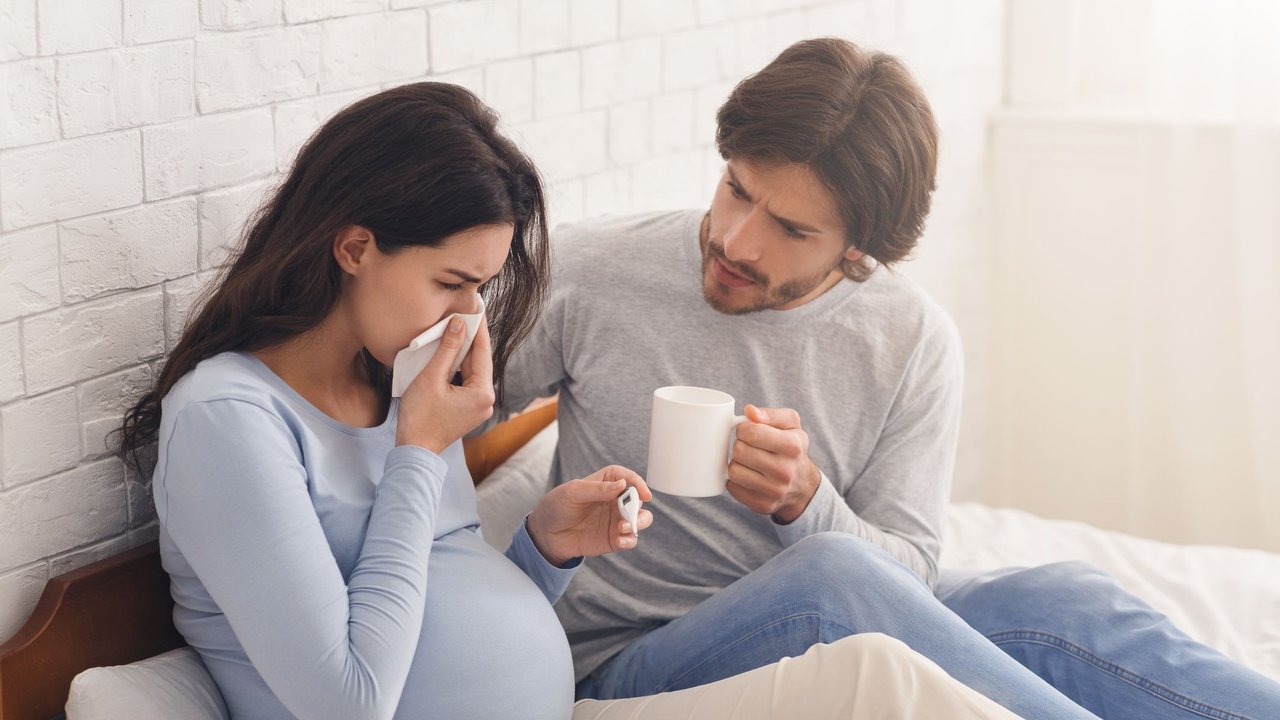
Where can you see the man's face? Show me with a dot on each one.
(773, 239)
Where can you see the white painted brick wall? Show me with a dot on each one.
(238, 14)
(222, 214)
(11, 380)
(127, 249)
(300, 11)
(238, 70)
(28, 110)
(508, 87)
(69, 26)
(617, 72)
(17, 29)
(83, 341)
(592, 22)
(208, 152)
(370, 49)
(179, 296)
(102, 402)
(693, 58)
(124, 88)
(466, 34)
(70, 178)
(672, 121)
(41, 437)
(28, 272)
(137, 135)
(643, 17)
(296, 121)
(63, 512)
(630, 132)
(147, 21)
(557, 84)
(566, 147)
(544, 26)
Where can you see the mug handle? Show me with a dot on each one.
(733, 430)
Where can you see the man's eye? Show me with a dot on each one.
(792, 232)
(737, 191)
(451, 287)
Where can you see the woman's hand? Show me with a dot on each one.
(581, 518)
(434, 412)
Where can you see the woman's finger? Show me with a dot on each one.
(642, 488)
(440, 366)
(478, 365)
(631, 477)
(644, 519)
(588, 490)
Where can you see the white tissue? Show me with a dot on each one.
(410, 361)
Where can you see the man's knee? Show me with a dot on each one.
(835, 554)
(1075, 582)
(835, 574)
(1043, 597)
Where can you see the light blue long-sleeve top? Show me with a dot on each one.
(322, 572)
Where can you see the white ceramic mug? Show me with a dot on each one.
(689, 436)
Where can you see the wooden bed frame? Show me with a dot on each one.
(118, 610)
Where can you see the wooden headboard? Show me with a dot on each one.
(118, 610)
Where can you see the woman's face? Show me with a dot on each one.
(391, 298)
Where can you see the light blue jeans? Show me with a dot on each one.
(1058, 641)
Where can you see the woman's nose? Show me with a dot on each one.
(467, 304)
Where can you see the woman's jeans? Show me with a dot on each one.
(1057, 641)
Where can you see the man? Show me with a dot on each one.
(782, 295)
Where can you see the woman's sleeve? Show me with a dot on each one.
(551, 580)
(233, 496)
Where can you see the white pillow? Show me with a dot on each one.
(515, 487)
(170, 685)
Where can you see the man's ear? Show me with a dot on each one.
(350, 247)
(853, 254)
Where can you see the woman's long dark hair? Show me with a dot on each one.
(413, 165)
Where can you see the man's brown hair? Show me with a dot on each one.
(860, 122)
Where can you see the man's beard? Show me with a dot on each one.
(770, 296)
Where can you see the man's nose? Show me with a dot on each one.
(740, 243)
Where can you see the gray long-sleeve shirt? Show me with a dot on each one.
(874, 370)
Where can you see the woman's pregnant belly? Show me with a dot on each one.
(490, 646)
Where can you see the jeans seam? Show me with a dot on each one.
(1154, 689)
(676, 680)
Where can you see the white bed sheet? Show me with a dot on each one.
(1227, 598)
